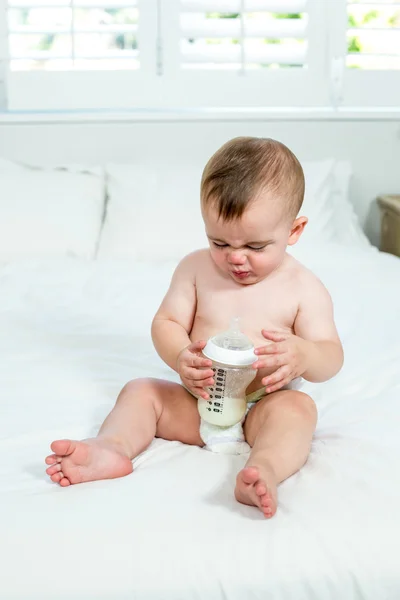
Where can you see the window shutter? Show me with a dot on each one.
(81, 34)
(372, 54)
(245, 52)
(81, 54)
(233, 34)
(373, 35)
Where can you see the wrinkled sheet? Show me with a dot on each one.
(73, 332)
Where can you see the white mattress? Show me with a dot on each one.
(72, 333)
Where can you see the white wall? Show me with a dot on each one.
(373, 147)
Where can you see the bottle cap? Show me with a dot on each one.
(231, 347)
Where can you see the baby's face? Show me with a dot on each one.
(250, 248)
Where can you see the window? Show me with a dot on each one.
(244, 52)
(372, 59)
(252, 37)
(62, 35)
(108, 54)
(373, 35)
(79, 54)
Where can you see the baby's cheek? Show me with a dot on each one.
(272, 258)
(214, 256)
(266, 261)
(218, 257)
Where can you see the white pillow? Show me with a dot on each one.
(154, 212)
(327, 205)
(348, 226)
(49, 212)
(317, 204)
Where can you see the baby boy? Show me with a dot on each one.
(252, 190)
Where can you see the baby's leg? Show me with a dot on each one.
(279, 429)
(144, 409)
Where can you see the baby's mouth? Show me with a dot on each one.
(241, 274)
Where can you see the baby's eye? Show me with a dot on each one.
(259, 249)
(220, 245)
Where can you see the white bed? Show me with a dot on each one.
(73, 331)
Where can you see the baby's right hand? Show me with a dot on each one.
(192, 368)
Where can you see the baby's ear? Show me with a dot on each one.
(297, 230)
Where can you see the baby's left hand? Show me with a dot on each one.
(287, 353)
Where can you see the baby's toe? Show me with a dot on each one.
(53, 458)
(260, 488)
(64, 482)
(53, 469)
(249, 475)
(265, 501)
(57, 477)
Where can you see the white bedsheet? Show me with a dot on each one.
(72, 333)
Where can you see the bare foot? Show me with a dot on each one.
(89, 460)
(251, 488)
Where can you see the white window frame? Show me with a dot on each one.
(161, 83)
(3, 56)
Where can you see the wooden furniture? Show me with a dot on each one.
(390, 223)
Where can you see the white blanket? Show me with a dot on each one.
(72, 333)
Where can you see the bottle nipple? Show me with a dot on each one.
(231, 347)
(233, 334)
(235, 326)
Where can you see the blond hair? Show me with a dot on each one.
(243, 168)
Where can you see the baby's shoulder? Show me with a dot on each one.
(196, 258)
(299, 274)
(195, 262)
(309, 289)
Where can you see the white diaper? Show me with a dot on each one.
(229, 440)
(226, 440)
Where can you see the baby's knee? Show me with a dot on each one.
(302, 404)
(143, 389)
(136, 386)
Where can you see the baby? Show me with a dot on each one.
(251, 192)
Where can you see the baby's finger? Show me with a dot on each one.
(195, 389)
(197, 346)
(198, 391)
(269, 362)
(274, 336)
(270, 349)
(281, 373)
(203, 383)
(201, 362)
(277, 386)
(198, 374)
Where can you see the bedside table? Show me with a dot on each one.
(390, 223)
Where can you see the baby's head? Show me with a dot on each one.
(251, 192)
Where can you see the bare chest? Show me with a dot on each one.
(265, 305)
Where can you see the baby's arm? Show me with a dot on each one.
(172, 325)
(174, 319)
(314, 351)
(315, 325)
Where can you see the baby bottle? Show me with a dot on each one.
(232, 355)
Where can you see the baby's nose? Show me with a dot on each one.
(237, 258)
